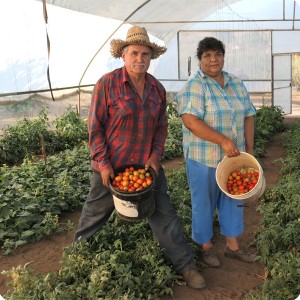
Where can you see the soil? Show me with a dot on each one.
(233, 280)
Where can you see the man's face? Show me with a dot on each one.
(137, 58)
(212, 62)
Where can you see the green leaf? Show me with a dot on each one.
(27, 233)
(20, 243)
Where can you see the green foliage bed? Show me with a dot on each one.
(278, 235)
(124, 261)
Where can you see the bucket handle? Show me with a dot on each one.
(242, 205)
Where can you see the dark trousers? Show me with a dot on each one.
(164, 222)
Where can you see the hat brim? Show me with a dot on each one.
(116, 47)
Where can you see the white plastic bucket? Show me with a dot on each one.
(134, 206)
(228, 165)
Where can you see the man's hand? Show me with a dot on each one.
(106, 175)
(153, 163)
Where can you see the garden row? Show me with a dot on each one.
(278, 234)
(121, 262)
(36, 137)
(46, 172)
(36, 191)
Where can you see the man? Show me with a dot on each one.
(128, 125)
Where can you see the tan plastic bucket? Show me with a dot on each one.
(228, 165)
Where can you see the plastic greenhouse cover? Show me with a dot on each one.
(77, 29)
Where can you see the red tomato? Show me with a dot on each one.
(125, 183)
(125, 178)
(131, 179)
(140, 181)
(144, 184)
(135, 178)
(118, 178)
(242, 180)
(136, 185)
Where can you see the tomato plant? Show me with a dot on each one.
(124, 261)
(277, 237)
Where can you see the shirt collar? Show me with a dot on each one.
(125, 77)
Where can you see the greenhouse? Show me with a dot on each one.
(53, 53)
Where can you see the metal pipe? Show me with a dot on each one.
(79, 84)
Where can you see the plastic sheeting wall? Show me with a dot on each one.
(245, 26)
(286, 41)
(282, 78)
(248, 55)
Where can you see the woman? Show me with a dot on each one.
(217, 117)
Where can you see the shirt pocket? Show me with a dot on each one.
(218, 115)
(154, 105)
(123, 106)
(212, 113)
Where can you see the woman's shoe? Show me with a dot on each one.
(240, 254)
(210, 258)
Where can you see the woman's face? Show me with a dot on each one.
(212, 62)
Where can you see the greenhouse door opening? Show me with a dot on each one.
(282, 81)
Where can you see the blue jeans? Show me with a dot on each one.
(208, 197)
(164, 222)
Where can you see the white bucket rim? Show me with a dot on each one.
(260, 183)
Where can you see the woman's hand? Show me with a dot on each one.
(203, 131)
(229, 148)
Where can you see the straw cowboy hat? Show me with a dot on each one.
(135, 36)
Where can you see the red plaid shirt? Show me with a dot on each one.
(123, 128)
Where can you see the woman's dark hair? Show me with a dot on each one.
(209, 43)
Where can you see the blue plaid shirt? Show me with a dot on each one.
(223, 109)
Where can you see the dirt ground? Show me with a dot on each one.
(233, 280)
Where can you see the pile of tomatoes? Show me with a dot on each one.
(132, 180)
(242, 180)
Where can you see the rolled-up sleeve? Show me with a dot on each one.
(190, 100)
